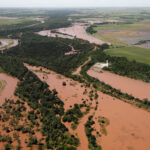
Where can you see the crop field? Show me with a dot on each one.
(131, 53)
(123, 34)
(9, 21)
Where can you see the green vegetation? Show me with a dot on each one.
(9, 21)
(142, 42)
(1, 70)
(25, 21)
(2, 85)
(50, 52)
(131, 53)
(91, 138)
(122, 26)
(103, 122)
(38, 97)
(100, 56)
(91, 30)
(73, 115)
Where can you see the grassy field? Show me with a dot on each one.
(131, 53)
(2, 85)
(124, 26)
(1, 70)
(14, 21)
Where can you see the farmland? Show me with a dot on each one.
(131, 53)
(123, 34)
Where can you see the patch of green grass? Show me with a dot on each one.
(1, 70)
(2, 85)
(73, 126)
(134, 26)
(141, 55)
(104, 122)
(40, 71)
(14, 21)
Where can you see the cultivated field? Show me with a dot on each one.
(123, 34)
(14, 20)
(132, 53)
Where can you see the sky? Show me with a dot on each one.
(74, 3)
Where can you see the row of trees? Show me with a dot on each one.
(91, 138)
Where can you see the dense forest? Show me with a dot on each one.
(50, 52)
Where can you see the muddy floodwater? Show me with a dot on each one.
(128, 128)
(8, 43)
(8, 91)
(77, 30)
(137, 88)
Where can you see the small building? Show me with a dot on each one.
(101, 65)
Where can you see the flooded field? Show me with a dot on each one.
(133, 87)
(8, 90)
(126, 131)
(77, 30)
(123, 34)
(49, 33)
(128, 128)
(8, 43)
